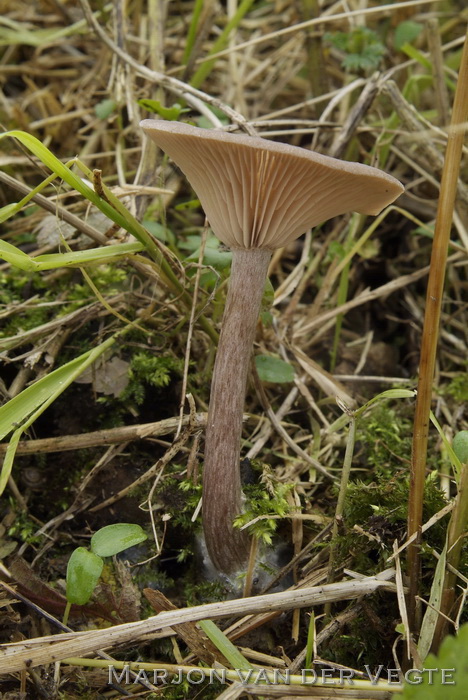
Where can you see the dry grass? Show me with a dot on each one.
(347, 315)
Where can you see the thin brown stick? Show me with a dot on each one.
(448, 191)
(54, 208)
(99, 438)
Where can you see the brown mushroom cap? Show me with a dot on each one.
(263, 194)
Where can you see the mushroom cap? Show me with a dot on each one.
(264, 194)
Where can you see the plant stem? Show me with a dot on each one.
(222, 492)
(347, 464)
(66, 613)
(430, 335)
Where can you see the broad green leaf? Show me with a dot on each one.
(162, 233)
(112, 539)
(268, 296)
(272, 369)
(219, 259)
(460, 446)
(83, 573)
(449, 677)
(406, 32)
(225, 646)
(190, 204)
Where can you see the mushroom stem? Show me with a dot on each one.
(222, 491)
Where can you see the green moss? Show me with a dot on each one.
(375, 515)
(180, 499)
(383, 438)
(148, 370)
(265, 499)
(24, 528)
(458, 387)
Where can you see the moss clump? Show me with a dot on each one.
(383, 438)
(458, 387)
(148, 370)
(375, 515)
(264, 499)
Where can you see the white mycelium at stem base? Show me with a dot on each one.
(258, 195)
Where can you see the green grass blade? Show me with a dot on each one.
(132, 224)
(117, 213)
(432, 611)
(13, 33)
(11, 209)
(455, 462)
(310, 641)
(15, 256)
(192, 32)
(53, 163)
(221, 42)
(22, 411)
(225, 646)
(85, 257)
(52, 261)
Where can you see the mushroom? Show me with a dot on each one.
(258, 196)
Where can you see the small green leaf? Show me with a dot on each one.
(219, 259)
(105, 108)
(170, 113)
(83, 572)
(406, 32)
(191, 204)
(460, 446)
(272, 369)
(113, 539)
